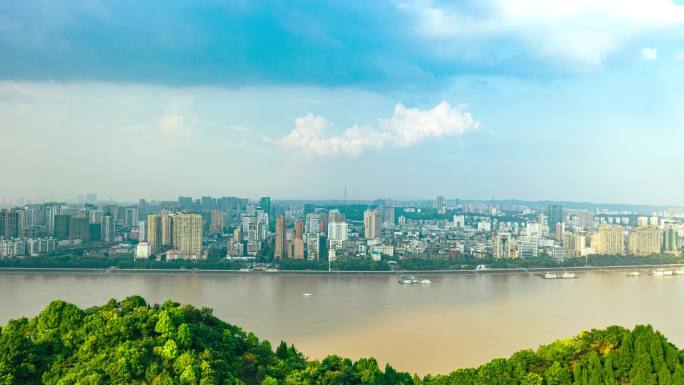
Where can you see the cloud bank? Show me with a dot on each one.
(582, 33)
(390, 43)
(406, 127)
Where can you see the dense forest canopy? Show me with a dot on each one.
(132, 342)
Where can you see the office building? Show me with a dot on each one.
(265, 204)
(554, 215)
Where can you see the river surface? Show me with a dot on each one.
(457, 321)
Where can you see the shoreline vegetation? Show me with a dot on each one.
(362, 266)
(133, 342)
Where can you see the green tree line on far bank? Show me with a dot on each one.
(463, 262)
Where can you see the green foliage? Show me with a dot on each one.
(132, 342)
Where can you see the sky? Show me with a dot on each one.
(405, 99)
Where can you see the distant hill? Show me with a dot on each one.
(131, 342)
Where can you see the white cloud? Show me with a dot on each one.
(407, 127)
(649, 53)
(580, 32)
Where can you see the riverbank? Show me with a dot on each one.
(334, 272)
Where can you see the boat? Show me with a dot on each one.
(568, 275)
(550, 276)
(635, 273)
(480, 268)
(411, 280)
(307, 294)
(662, 272)
(679, 271)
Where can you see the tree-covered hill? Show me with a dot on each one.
(131, 342)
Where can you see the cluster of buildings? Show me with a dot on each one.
(239, 228)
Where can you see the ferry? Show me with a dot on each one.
(662, 272)
(550, 276)
(411, 280)
(679, 271)
(635, 273)
(568, 275)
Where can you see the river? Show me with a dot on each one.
(460, 320)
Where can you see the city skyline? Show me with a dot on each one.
(574, 102)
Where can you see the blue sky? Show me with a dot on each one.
(534, 99)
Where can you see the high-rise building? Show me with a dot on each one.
(642, 221)
(299, 229)
(154, 233)
(671, 240)
(107, 228)
(338, 232)
(166, 229)
(10, 223)
(387, 216)
(441, 205)
(185, 203)
(78, 228)
(644, 240)
(585, 219)
(187, 235)
(142, 231)
(279, 250)
(313, 223)
(554, 213)
(501, 245)
(371, 224)
(313, 246)
(611, 240)
(216, 222)
(298, 248)
(131, 217)
(335, 216)
(265, 204)
(459, 221)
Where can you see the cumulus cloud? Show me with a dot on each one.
(406, 127)
(581, 32)
(649, 53)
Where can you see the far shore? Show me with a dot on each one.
(325, 272)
